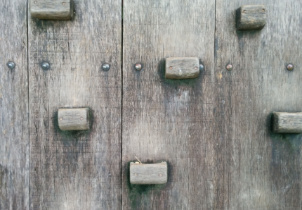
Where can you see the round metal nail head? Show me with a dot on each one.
(138, 66)
(11, 65)
(201, 67)
(106, 67)
(45, 66)
(229, 67)
(290, 67)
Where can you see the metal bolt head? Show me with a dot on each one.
(229, 67)
(138, 66)
(106, 67)
(45, 66)
(201, 67)
(11, 65)
(290, 67)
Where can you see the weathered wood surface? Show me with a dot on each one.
(51, 9)
(171, 120)
(251, 17)
(14, 139)
(259, 169)
(284, 122)
(76, 170)
(182, 68)
(156, 173)
(73, 119)
(215, 131)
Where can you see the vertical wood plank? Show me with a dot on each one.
(14, 139)
(76, 170)
(169, 120)
(261, 170)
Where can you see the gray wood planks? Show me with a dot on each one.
(259, 169)
(76, 170)
(14, 139)
(169, 120)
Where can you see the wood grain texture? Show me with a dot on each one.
(284, 122)
(182, 68)
(14, 137)
(259, 169)
(251, 17)
(156, 173)
(74, 119)
(52, 9)
(76, 170)
(171, 120)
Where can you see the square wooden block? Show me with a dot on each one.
(156, 173)
(182, 68)
(51, 9)
(73, 119)
(251, 17)
(285, 122)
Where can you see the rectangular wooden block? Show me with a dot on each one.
(156, 173)
(182, 68)
(51, 9)
(76, 119)
(251, 17)
(284, 122)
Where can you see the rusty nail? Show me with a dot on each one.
(229, 67)
(290, 67)
(138, 66)
(11, 65)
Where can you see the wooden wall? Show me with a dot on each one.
(214, 131)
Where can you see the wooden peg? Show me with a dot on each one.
(251, 17)
(73, 119)
(285, 122)
(51, 9)
(156, 173)
(182, 68)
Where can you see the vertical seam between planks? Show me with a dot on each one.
(215, 33)
(28, 117)
(122, 96)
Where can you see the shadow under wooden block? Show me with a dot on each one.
(251, 17)
(145, 174)
(73, 119)
(51, 9)
(285, 122)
